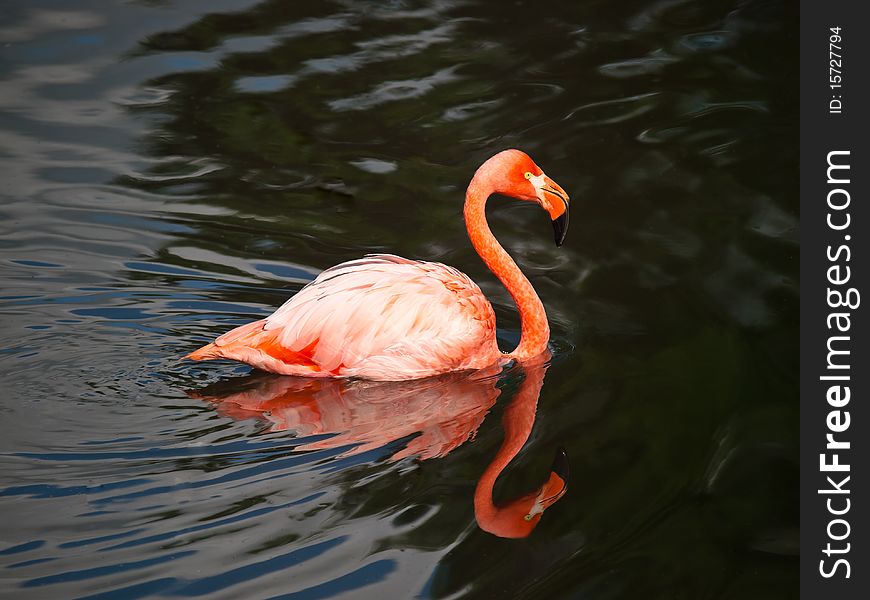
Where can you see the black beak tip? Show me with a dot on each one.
(560, 228)
(560, 464)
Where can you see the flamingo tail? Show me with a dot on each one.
(261, 348)
(208, 352)
(220, 347)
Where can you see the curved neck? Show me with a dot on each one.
(535, 329)
(517, 422)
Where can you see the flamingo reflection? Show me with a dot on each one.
(442, 413)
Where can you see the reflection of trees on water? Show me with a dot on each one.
(271, 116)
(335, 128)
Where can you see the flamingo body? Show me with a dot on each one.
(379, 317)
(389, 318)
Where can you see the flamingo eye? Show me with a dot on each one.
(528, 517)
(528, 175)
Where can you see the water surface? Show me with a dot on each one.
(173, 169)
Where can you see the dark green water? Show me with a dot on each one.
(173, 169)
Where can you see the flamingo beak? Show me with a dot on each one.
(558, 208)
(560, 227)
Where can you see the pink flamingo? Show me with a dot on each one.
(441, 412)
(384, 317)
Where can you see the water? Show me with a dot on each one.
(173, 169)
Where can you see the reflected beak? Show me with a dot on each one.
(558, 201)
(560, 464)
(557, 485)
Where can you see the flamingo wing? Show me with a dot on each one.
(379, 317)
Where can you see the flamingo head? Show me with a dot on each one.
(513, 173)
(519, 517)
